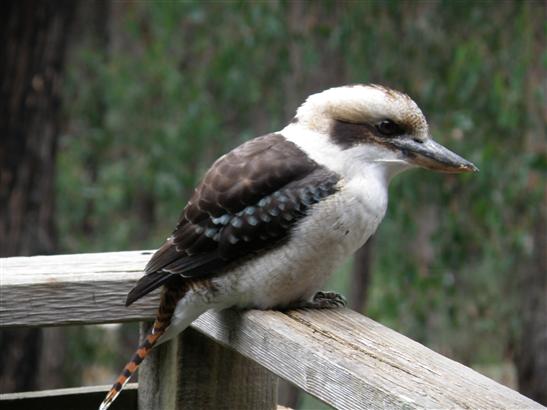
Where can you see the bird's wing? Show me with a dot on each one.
(247, 202)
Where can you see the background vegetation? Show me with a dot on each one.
(154, 92)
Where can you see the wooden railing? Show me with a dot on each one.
(232, 359)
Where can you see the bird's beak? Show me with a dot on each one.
(432, 155)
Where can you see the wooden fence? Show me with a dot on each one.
(232, 359)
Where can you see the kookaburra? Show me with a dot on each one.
(275, 216)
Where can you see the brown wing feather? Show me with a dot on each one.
(247, 202)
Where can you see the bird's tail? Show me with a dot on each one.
(168, 302)
(132, 366)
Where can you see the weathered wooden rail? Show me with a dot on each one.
(232, 359)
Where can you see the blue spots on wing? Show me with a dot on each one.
(222, 220)
(280, 197)
(251, 220)
(325, 188)
(211, 232)
(264, 217)
(264, 202)
(236, 222)
(270, 218)
(306, 196)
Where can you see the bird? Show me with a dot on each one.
(274, 217)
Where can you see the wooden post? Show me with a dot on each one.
(194, 372)
(158, 379)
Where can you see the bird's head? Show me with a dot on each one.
(381, 125)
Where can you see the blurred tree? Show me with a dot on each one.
(31, 65)
(361, 276)
(531, 355)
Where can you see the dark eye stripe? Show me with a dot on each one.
(389, 128)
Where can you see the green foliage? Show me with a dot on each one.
(181, 83)
(176, 90)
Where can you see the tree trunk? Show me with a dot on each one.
(360, 277)
(531, 359)
(34, 35)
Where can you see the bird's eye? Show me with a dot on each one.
(389, 129)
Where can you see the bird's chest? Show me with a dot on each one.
(341, 224)
(331, 232)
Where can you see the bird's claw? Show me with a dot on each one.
(327, 300)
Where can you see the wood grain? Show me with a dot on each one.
(72, 398)
(339, 356)
(72, 289)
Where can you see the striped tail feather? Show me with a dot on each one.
(132, 366)
(168, 303)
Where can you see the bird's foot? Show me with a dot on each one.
(326, 300)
